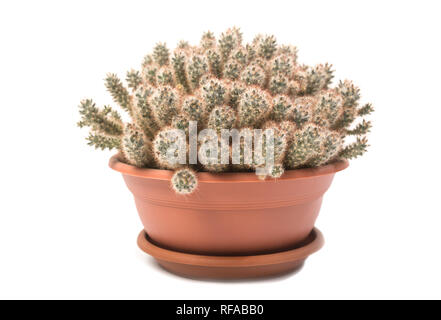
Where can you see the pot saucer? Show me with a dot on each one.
(232, 267)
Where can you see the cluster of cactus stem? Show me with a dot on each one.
(227, 84)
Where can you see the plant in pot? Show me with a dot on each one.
(229, 150)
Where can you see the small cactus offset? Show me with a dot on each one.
(225, 85)
(184, 181)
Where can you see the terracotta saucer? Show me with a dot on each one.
(232, 267)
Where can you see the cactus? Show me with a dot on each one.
(235, 91)
(106, 122)
(221, 117)
(192, 109)
(103, 142)
(305, 145)
(319, 78)
(229, 40)
(161, 55)
(240, 56)
(254, 104)
(179, 66)
(253, 75)
(210, 159)
(165, 105)
(118, 92)
(208, 40)
(355, 149)
(282, 108)
(226, 84)
(142, 111)
(135, 147)
(149, 73)
(214, 63)
(279, 84)
(266, 46)
(166, 149)
(232, 70)
(276, 171)
(242, 153)
(164, 77)
(213, 93)
(328, 109)
(197, 67)
(133, 79)
(279, 143)
(283, 65)
(330, 146)
(184, 181)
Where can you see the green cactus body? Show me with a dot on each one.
(331, 144)
(279, 84)
(135, 147)
(184, 181)
(222, 117)
(266, 46)
(180, 122)
(167, 141)
(180, 68)
(161, 54)
(103, 142)
(276, 171)
(232, 70)
(253, 75)
(133, 79)
(351, 96)
(229, 40)
(349, 92)
(289, 50)
(104, 122)
(208, 40)
(149, 73)
(305, 145)
(283, 65)
(197, 67)
(279, 143)
(253, 107)
(318, 78)
(355, 149)
(193, 110)
(214, 62)
(287, 129)
(165, 77)
(240, 56)
(328, 109)
(147, 61)
(165, 104)
(213, 93)
(282, 108)
(142, 111)
(302, 110)
(235, 90)
(211, 158)
(118, 92)
(300, 76)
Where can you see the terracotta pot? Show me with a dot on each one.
(230, 213)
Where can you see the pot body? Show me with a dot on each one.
(229, 213)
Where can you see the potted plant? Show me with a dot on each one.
(229, 150)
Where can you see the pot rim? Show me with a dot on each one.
(226, 177)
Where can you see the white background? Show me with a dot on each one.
(68, 225)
